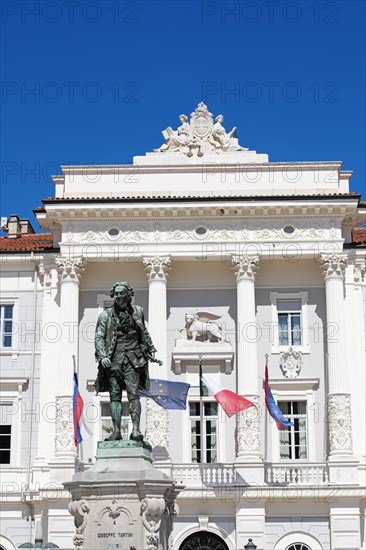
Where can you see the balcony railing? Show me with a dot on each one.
(301, 474)
(204, 474)
(275, 474)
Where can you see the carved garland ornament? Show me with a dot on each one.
(64, 441)
(157, 425)
(217, 231)
(340, 422)
(248, 429)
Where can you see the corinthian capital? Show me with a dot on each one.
(44, 271)
(359, 270)
(70, 269)
(333, 265)
(245, 267)
(157, 267)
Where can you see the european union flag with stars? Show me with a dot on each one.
(167, 394)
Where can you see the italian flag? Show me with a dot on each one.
(231, 402)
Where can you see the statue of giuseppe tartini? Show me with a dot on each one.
(123, 348)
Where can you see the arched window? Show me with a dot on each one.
(203, 540)
(298, 546)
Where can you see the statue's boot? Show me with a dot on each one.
(135, 412)
(116, 413)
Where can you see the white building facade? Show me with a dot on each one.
(268, 252)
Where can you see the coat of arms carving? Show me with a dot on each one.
(291, 363)
(200, 135)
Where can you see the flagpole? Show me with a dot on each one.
(78, 447)
(201, 405)
(266, 418)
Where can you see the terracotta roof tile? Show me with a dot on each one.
(32, 242)
(359, 235)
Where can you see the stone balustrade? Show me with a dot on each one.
(206, 474)
(302, 474)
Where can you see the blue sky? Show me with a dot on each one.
(88, 82)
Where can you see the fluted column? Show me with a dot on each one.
(70, 271)
(157, 419)
(339, 401)
(248, 437)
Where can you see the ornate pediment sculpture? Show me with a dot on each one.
(200, 135)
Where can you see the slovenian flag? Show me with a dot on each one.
(81, 430)
(167, 394)
(231, 402)
(272, 406)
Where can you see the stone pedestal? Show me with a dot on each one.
(122, 501)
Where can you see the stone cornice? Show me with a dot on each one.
(229, 167)
(228, 208)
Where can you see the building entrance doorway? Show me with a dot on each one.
(203, 540)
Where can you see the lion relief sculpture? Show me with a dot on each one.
(200, 327)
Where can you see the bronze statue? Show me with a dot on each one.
(123, 348)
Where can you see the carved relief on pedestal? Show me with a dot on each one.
(290, 362)
(245, 267)
(248, 429)
(152, 510)
(340, 422)
(64, 441)
(70, 269)
(157, 425)
(333, 265)
(157, 267)
(80, 510)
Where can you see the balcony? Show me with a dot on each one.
(301, 474)
(211, 475)
(204, 474)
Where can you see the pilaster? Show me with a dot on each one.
(340, 457)
(157, 418)
(248, 436)
(70, 271)
(47, 274)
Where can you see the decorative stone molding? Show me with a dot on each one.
(152, 510)
(248, 437)
(80, 510)
(200, 135)
(340, 423)
(157, 426)
(333, 265)
(359, 270)
(290, 362)
(64, 441)
(70, 269)
(157, 267)
(217, 230)
(245, 267)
